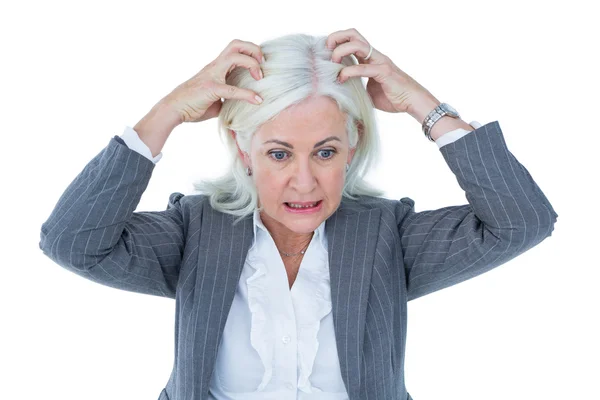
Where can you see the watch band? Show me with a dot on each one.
(444, 109)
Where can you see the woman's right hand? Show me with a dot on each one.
(199, 98)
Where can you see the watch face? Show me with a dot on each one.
(450, 109)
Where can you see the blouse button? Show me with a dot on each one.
(286, 339)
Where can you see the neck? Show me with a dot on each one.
(285, 239)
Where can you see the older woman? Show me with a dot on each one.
(291, 274)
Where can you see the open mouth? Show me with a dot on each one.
(303, 207)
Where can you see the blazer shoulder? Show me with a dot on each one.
(189, 205)
(390, 208)
(194, 201)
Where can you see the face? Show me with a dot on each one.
(300, 156)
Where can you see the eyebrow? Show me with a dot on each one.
(286, 144)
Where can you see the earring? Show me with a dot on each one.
(248, 171)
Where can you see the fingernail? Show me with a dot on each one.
(260, 73)
(257, 97)
(263, 58)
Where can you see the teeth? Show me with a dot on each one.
(299, 206)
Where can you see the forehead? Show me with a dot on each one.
(310, 119)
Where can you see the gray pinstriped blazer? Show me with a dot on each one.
(382, 254)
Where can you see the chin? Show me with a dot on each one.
(304, 226)
(304, 222)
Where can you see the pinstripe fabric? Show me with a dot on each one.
(382, 254)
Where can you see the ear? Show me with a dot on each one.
(351, 155)
(361, 130)
(243, 156)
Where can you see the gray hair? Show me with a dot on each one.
(297, 67)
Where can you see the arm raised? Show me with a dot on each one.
(507, 215)
(94, 232)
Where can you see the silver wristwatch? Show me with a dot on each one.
(434, 116)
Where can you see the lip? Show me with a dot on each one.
(311, 210)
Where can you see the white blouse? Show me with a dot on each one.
(279, 343)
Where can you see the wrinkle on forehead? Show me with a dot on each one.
(314, 114)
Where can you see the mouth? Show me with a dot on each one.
(303, 207)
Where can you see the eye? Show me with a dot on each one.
(329, 153)
(279, 154)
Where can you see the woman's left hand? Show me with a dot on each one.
(390, 88)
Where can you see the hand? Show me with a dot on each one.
(390, 88)
(199, 98)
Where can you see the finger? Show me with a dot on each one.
(379, 72)
(235, 60)
(359, 48)
(233, 92)
(343, 36)
(248, 48)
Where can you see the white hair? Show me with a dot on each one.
(297, 67)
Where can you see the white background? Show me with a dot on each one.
(74, 74)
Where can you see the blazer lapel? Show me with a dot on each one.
(227, 246)
(351, 235)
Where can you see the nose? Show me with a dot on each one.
(303, 178)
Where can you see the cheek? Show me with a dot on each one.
(269, 183)
(333, 183)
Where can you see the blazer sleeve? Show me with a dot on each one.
(94, 232)
(507, 215)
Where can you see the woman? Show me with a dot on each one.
(291, 274)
